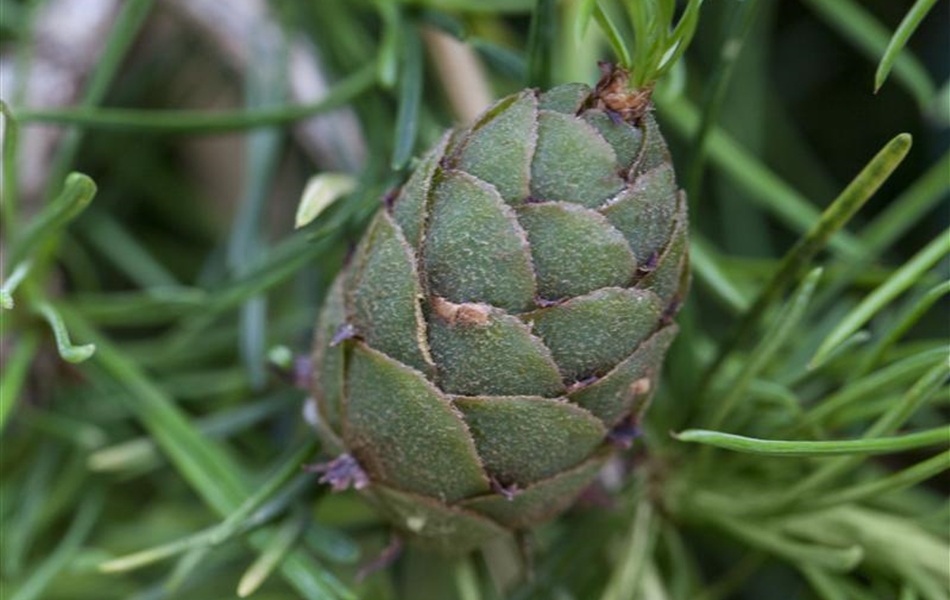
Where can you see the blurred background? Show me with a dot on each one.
(201, 123)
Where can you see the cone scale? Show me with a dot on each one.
(505, 318)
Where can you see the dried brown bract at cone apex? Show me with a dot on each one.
(612, 93)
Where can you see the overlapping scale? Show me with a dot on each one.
(670, 278)
(385, 296)
(492, 354)
(328, 360)
(567, 99)
(412, 201)
(629, 384)
(653, 151)
(393, 416)
(474, 249)
(524, 439)
(625, 141)
(542, 500)
(499, 148)
(575, 250)
(590, 334)
(573, 162)
(645, 212)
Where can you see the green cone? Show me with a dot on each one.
(505, 319)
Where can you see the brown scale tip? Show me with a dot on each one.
(613, 94)
(467, 313)
(640, 387)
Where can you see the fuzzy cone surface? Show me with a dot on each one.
(504, 318)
